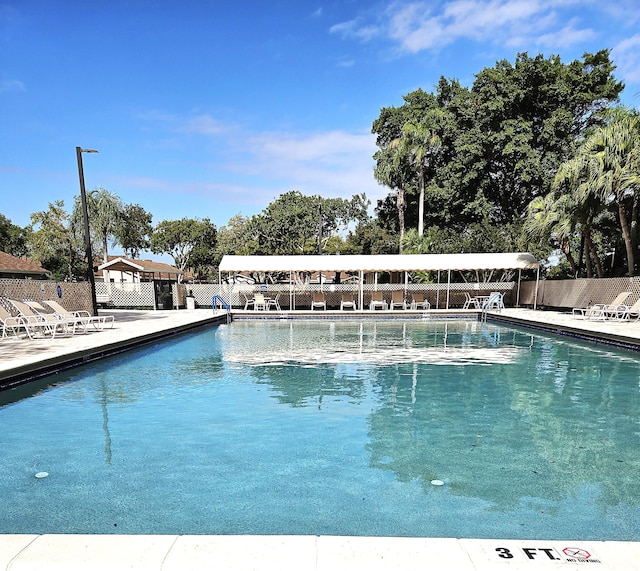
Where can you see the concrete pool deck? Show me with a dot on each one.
(21, 359)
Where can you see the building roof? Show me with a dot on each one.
(20, 266)
(380, 263)
(121, 264)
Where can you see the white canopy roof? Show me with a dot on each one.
(379, 263)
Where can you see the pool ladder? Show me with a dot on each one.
(218, 301)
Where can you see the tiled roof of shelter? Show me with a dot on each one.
(12, 265)
(121, 263)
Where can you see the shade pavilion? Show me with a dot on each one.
(383, 263)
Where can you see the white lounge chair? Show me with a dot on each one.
(627, 312)
(398, 300)
(420, 302)
(9, 323)
(36, 325)
(99, 322)
(602, 310)
(377, 301)
(347, 302)
(318, 301)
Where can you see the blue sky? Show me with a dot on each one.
(211, 108)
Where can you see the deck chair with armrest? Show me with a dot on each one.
(347, 301)
(377, 300)
(601, 310)
(398, 300)
(318, 301)
(98, 322)
(628, 312)
(420, 301)
(470, 301)
(36, 325)
(75, 324)
(9, 323)
(274, 302)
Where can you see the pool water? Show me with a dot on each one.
(316, 427)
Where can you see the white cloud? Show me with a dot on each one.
(239, 166)
(353, 29)
(205, 125)
(569, 35)
(420, 25)
(626, 56)
(11, 85)
(332, 163)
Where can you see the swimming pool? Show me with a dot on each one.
(333, 428)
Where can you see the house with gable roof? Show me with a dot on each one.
(12, 267)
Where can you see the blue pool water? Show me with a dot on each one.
(332, 428)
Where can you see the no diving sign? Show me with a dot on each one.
(570, 554)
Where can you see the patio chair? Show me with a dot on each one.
(247, 300)
(470, 301)
(274, 302)
(99, 322)
(318, 301)
(494, 301)
(601, 310)
(377, 301)
(9, 323)
(398, 300)
(36, 325)
(347, 302)
(259, 302)
(420, 301)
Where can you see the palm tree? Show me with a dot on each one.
(613, 155)
(547, 216)
(390, 170)
(420, 142)
(105, 211)
(580, 207)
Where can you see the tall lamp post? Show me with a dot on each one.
(87, 235)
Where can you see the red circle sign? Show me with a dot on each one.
(576, 552)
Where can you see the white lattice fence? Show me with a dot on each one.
(579, 293)
(301, 297)
(125, 294)
(74, 296)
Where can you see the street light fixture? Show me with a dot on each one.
(87, 235)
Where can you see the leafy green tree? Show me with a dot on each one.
(298, 224)
(370, 238)
(191, 242)
(55, 243)
(235, 238)
(13, 238)
(133, 229)
(500, 141)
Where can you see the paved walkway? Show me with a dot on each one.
(20, 359)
